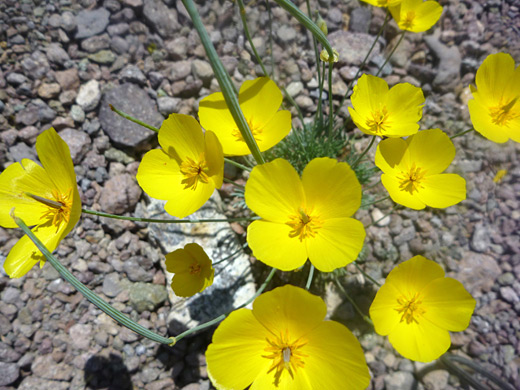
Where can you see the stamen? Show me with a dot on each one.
(194, 171)
(503, 113)
(195, 268)
(408, 20)
(410, 308)
(411, 181)
(256, 130)
(379, 121)
(303, 224)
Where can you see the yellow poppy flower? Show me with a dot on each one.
(192, 268)
(412, 170)
(495, 108)
(44, 197)
(187, 168)
(259, 100)
(387, 113)
(307, 218)
(416, 15)
(417, 306)
(383, 3)
(284, 343)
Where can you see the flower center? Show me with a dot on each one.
(303, 225)
(58, 208)
(195, 268)
(285, 354)
(407, 21)
(503, 113)
(411, 181)
(256, 130)
(194, 171)
(410, 308)
(377, 123)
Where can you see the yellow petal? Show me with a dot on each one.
(274, 131)
(414, 275)
(495, 77)
(156, 169)
(444, 190)
(274, 191)
(383, 3)
(335, 359)
(432, 150)
(405, 103)
(383, 310)
(331, 188)
(482, 122)
(337, 243)
(214, 158)
(234, 358)
(370, 94)
(392, 185)
(181, 136)
(266, 381)
(291, 309)
(448, 305)
(259, 100)
(426, 15)
(391, 154)
(271, 244)
(185, 202)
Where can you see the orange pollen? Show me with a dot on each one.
(256, 130)
(194, 171)
(59, 207)
(303, 225)
(285, 354)
(195, 268)
(410, 308)
(379, 121)
(408, 21)
(503, 113)
(411, 181)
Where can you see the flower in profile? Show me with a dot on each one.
(383, 3)
(417, 306)
(304, 218)
(416, 15)
(192, 268)
(44, 197)
(187, 168)
(387, 113)
(495, 107)
(259, 100)
(284, 343)
(412, 170)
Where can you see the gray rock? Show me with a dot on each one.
(132, 74)
(9, 373)
(68, 21)
(16, 79)
(161, 17)
(156, 79)
(147, 296)
(134, 101)
(118, 29)
(132, 3)
(119, 44)
(177, 48)
(36, 111)
(352, 47)
(360, 20)
(21, 151)
(89, 96)
(57, 55)
(481, 240)
(399, 381)
(96, 43)
(119, 194)
(78, 142)
(135, 272)
(80, 335)
(7, 354)
(49, 90)
(91, 23)
(477, 272)
(436, 380)
(111, 285)
(46, 368)
(36, 66)
(509, 294)
(448, 72)
(202, 70)
(180, 70)
(68, 79)
(77, 113)
(168, 105)
(286, 33)
(294, 88)
(103, 57)
(31, 383)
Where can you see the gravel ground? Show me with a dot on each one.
(63, 61)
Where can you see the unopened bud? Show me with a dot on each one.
(324, 56)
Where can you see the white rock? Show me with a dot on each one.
(89, 96)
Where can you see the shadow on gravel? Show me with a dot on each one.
(107, 373)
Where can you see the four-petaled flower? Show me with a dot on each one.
(284, 343)
(417, 306)
(376, 110)
(187, 168)
(259, 100)
(46, 198)
(307, 218)
(412, 170)
(495, 108)
(192, 268)
(416, 15)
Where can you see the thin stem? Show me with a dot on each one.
(90, 295)
(366, 275)
(271, 55)
(132, 119)
(383, 217)
(331, 112)
(375, 201)
(248, 35)
(315, 46)
(226, 180)
(237, 164)
(391, 53)
(358, 160)
(231, 255)
(365, 317)
(309, 279)
(222, 316)
(293, 102)
(154, 220)
(461, 133)
(320, 94)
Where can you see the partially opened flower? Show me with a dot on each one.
(187, 168)
(383, 3)
(284, 343)
(412, 170)
(385, 112)
(46, 198)
(259, 100)
(495, 108)
(416, 15)
(417, 306)
(192, 268)
(307, 218)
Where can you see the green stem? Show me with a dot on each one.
(293, 103)
(374, 202)
(391, 53)
(132, 119)
(358, 160)
(331, 112)
(237, 164)
(248, 35)
(309, 279)
(461, 133)
(366, 275)
(224, 80)
(91, 296)
(154, 220)
(226, 180)
(365, 317)
(271, 55)
(320, 94)
(222, 316)
(231, 255)
(316, 51)
(383, 217)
